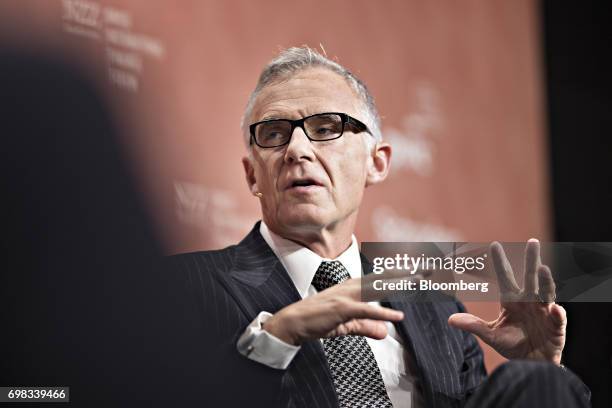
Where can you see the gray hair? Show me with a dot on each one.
(295, 59)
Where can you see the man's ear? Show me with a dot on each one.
(378, 163)
(249, 173)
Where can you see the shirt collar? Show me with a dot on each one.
(302, 264)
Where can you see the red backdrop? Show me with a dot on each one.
(458, 85)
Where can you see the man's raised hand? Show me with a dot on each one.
(530, 325)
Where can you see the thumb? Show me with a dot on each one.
(472, 324)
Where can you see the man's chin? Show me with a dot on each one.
(303, 216)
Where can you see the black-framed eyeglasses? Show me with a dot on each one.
(318, 128)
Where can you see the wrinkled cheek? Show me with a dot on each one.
(352, 200)
(351, 197)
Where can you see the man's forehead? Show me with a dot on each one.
(306, 92)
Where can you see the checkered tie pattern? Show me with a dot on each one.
(356, 375)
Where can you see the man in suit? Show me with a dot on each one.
(281, 312)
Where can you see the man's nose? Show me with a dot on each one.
(299, 147)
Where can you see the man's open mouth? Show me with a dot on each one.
(304, 183)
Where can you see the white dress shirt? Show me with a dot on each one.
(301, 264)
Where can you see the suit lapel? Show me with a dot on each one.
(259, 282)
(260, 277)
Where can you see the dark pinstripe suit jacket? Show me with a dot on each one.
(228, 288)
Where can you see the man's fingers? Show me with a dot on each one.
(360, 310)
(547, 290)
(351, 288)
(374, 329)
(472, 324)
(558, 315)
(503, 270)
(532, 261)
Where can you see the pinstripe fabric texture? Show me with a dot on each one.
(231, 286)
(529, 383)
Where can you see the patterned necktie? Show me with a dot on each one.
(356, 375)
